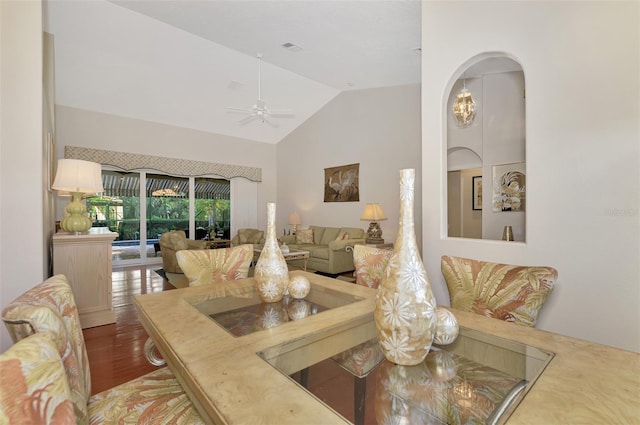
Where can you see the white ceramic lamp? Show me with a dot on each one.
(79, 178)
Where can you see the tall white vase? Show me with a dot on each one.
(405, 312)
(271, 273)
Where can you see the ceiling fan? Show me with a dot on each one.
(260, 110)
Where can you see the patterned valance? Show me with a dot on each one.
(172, 166)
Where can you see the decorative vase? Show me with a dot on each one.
(405, 311)
(271, 273)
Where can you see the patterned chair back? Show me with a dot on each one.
(204, 267)
(502, 291)
(50, 307)
(370, 264)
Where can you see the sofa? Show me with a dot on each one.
(326, 246)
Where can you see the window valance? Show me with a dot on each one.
(172, 166)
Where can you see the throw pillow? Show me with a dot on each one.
(304, 236)
(343, 235)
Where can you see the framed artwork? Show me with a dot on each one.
(476, 202)
(51, 162)
(509, 187)
(341, 184)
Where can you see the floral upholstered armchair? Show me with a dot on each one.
(502, 291)
(49, 310)
(172, 242)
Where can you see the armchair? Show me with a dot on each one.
(49, 310)
(248, 236)
(172, 242)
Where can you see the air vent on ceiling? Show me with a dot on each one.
(234, 85)
(292, 47)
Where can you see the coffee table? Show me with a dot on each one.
(288, 257)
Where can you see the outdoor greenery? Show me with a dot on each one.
(164, 213)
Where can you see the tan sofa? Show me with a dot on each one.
(327, 251)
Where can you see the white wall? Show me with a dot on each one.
(580, 61)
(78, 127)
(22, 255)
(377, 128)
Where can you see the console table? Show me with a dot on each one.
(232, 379)
(86, 262)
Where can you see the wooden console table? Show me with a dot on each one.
(86, 262)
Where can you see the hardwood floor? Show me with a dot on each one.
(116, 351)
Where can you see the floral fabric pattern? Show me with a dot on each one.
(370, 264)
(204, 267)
(502, 291)
(50, 307)
(154, 399)
(34, 388)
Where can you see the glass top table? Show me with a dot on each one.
(246, 314)
(312, 369)
(478, 379)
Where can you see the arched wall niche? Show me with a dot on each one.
(483, 155)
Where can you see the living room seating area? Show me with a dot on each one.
(326, 246)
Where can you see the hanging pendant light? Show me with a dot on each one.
(464, 108)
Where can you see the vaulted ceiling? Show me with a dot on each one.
(181, 62)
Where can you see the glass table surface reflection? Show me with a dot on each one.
(477, 379)
(245, 313)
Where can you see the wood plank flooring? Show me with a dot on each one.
(116, 351)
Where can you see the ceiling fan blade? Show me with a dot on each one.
(247, 120)
(233, 109)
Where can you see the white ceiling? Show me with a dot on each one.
(181, 62)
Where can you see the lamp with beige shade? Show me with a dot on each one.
(79, 178)
(373, 213)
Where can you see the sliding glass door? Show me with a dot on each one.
(199, 206)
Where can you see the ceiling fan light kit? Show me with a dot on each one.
(260, 110)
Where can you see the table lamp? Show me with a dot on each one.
(373, 213)
(79, 178)
(294, 220)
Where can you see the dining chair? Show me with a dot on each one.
(503, 291)
(155, 398)
(370, 264)
(208, 266)
(34, 387)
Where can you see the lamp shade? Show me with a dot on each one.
(76, 175)
(373, 212)
(294, 218)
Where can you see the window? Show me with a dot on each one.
(165, 202)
